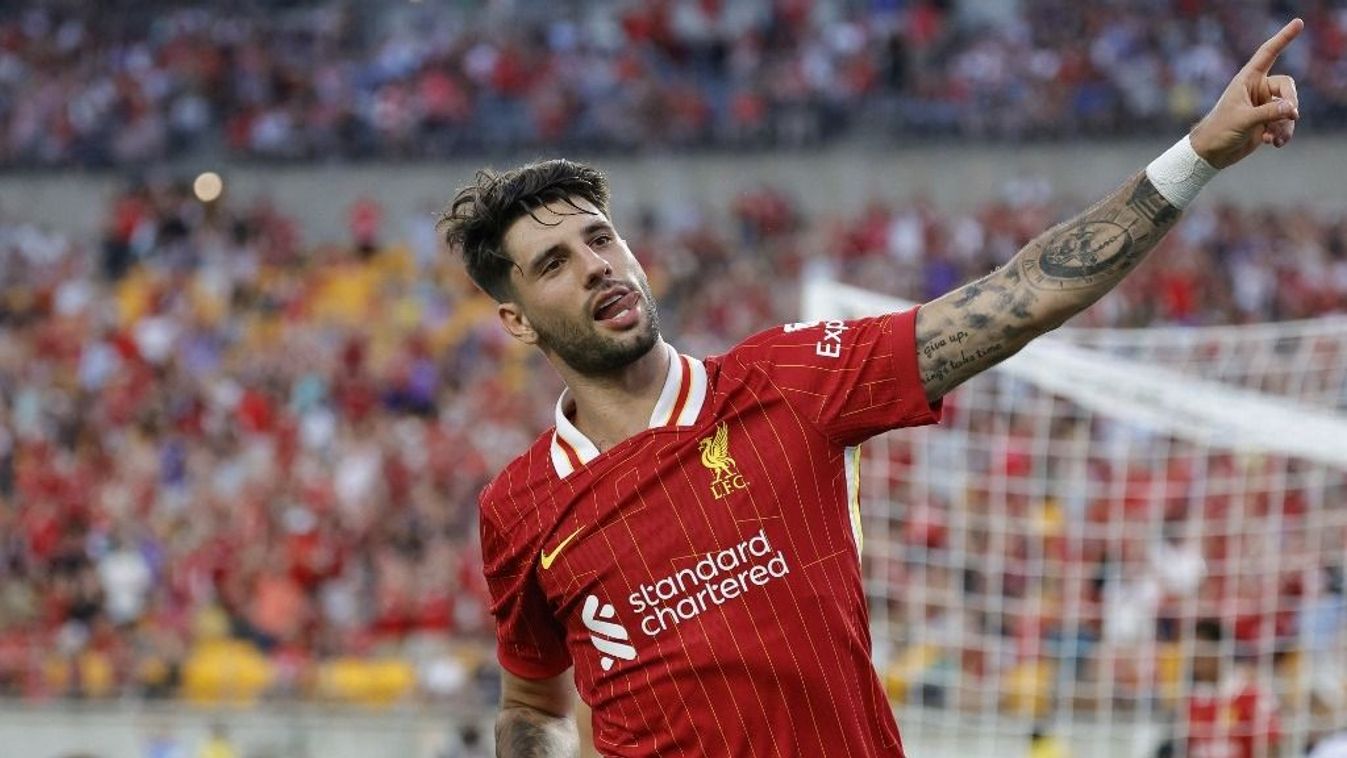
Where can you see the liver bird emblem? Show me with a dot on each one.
(716, 453)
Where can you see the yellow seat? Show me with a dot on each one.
(1027, 688)
(353, 680)
(907, 668)
(225, 671)
(96, 676)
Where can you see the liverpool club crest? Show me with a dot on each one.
(716, 457)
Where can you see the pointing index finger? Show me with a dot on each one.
(1262, 60)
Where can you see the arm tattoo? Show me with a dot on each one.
(1055, 276)
(1148, 202)
(528, 733)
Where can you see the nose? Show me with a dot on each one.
(597, 268)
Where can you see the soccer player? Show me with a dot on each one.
(683, 546)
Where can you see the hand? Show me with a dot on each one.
(1256, 109)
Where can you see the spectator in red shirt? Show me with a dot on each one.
(1227, 715)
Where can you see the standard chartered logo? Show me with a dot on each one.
(713, 580)
(709, 581)
(609, 637)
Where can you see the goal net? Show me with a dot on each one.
(1044, 559)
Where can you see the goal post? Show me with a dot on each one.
(1041, 559)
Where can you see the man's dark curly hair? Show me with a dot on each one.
(477, 218)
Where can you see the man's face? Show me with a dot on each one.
(579, 292)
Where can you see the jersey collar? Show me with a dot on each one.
(680, 402)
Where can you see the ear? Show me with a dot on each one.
(516, 322)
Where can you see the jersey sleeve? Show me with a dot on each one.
(530, 642)
(853, 379)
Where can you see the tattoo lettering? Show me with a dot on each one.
(954, 366)
(932, 346)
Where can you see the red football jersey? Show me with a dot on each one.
(1236, 720)
(703, 576)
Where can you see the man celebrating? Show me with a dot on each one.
(687, 536)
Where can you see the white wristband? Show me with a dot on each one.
(1180, 173)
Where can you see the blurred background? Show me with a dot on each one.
(247, 399)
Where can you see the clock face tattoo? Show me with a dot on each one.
(1080, 256)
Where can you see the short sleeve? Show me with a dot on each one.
(530, 642)
(854, 379)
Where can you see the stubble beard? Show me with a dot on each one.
(590, 352)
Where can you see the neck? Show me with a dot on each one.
(612, 407)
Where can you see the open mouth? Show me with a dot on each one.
(617, 307)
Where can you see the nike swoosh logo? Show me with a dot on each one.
(547, 557)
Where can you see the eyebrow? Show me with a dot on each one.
(591, 228)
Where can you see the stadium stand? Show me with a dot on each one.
(123, 83)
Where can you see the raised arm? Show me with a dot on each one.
(535, 718)
(1070, 266)
(1054, 277)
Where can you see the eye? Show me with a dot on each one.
(601, 240)
(552, 264)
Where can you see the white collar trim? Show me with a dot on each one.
(680, 403)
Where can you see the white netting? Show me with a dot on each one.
(1042, 557)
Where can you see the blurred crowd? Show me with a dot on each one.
(236, 465)
(221, 469)
(121, 84)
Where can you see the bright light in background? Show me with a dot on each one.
(208, 186)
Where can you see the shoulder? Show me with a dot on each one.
(776, 353)
(513, 493)
(766, 347)
(821, 344)
(511, 513)
(783, 336)
(823, 338)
